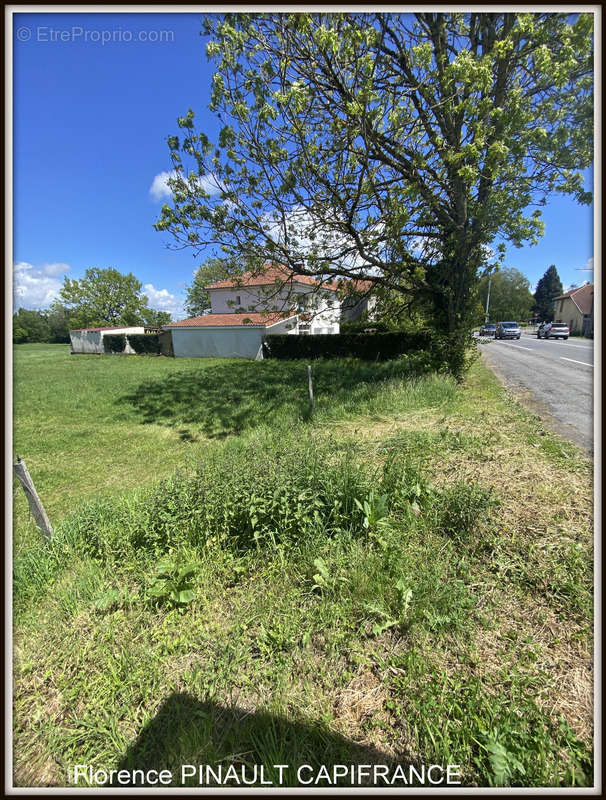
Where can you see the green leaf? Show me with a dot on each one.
(184, 596)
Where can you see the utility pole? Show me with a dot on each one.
(488, 297)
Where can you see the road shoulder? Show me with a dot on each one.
(527, 399)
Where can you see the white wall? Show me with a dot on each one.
(92, 341)
(242, 341)
(86, 341)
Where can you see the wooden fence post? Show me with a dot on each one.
(35, 504)
(311, 389)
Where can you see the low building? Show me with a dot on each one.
(227, 335)
(575, 309)
(90, 340)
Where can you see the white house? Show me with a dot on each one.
(90, 340)
(243, 312)
(358, 300)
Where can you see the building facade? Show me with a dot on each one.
(245, 310)
(575, 309)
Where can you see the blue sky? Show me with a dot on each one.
(90, 121)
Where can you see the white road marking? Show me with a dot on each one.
(565, 344)
(576, 362)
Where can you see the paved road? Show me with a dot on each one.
(553, 377)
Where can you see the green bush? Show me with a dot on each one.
(114, 342)
(463, 510)
(360, 326)
(283, 491)
(366, 346)
(145, 343)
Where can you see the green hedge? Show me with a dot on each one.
(360, 326)
(145, 343)
(114, 342)
(367, 346)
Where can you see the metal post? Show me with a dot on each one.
(310, 388)
(35, 505)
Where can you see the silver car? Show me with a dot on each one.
(553, 330)
(508, 330)
(488, 329)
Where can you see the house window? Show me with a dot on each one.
(561, 306)
(237, 299)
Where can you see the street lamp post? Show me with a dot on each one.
(488, 298)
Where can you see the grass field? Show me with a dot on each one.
(403, 578)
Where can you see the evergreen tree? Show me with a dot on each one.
(548, 288)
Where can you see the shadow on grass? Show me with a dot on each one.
(223, 399)
(186, 731)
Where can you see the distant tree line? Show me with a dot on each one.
(102, 298)
(50, 325)
(510, 296)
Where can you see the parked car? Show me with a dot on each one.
(553, 330)
(489, 329)
(508, 330)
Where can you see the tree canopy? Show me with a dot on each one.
(548, 288)
(198, 299)
(510, 296)
(106, 297)
(395, 148)
(50, 325)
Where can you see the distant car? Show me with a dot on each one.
(553, 330)
(489, 329)
(508, 330)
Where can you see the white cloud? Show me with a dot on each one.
(163, 300)
(55, 269)
(36, 287)
(160, 190)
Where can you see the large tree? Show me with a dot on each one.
(510, 296)
(58, 322)
(548, 288)
(104, 297)
(390, 147)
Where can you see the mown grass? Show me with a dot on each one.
(444, 617)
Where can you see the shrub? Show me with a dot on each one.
(367, 346)
(463, 510)
(285, 491)
(114, 342)
(361, 326)
(145, 343)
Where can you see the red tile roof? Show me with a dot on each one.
(359, 286)
(271, 274)
(581, 297)
(254, 320)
